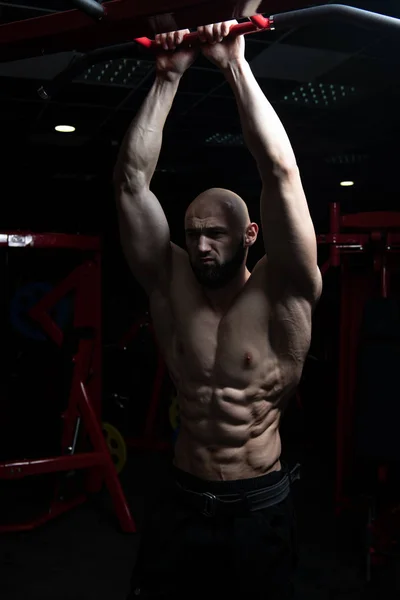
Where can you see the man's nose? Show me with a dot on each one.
(204, 245)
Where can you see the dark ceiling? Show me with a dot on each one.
(335, 86)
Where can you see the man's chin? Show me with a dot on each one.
(206, 278)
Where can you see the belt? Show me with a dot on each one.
(211, 505)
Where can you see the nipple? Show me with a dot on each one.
(247, 359)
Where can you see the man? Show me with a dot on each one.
(234, 343)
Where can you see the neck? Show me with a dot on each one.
(221, 299)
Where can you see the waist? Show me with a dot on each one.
(234, 497)
(198, 484)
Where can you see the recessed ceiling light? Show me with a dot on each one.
(64, 128)
(346, 183)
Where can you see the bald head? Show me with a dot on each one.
(218, 235)
(217, 203)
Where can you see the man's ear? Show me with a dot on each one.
(251, 234)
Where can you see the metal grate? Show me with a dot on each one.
(225, 139)
(122, 71)
(347, 159)
(321, 95)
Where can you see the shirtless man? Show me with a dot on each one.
(234, 342)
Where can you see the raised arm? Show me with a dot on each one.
(144, 230)
(288, 231)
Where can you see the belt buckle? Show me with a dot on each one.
(210, 505)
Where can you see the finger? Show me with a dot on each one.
(158, 39)
(217, 32)
(179, 35)
(226, 27)
(209, 34)
(162, 40)
(171, 40)
(201, 34)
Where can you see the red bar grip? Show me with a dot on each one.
(256, 23)
(260, 22)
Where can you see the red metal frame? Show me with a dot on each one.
(150, 440)
(125, 20)
(372, 234)
(83, 413)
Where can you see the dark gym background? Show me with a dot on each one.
(345, 127)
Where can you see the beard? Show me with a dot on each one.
(214, 276)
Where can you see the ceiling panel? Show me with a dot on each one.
(335, 36)
(92, 94)
(296, 63)
(369, 74)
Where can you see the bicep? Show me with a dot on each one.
(288, 231)
(145, 235)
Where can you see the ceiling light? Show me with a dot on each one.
(346, 183)
(320, 95)
(64, 128)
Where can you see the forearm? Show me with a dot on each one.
(284, 209)
(141, 146)
(263, 131)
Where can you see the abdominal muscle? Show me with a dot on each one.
(227, 434)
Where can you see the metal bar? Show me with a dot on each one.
(27, 239)
(54, 510)
(330, 12)
(372, 220)
(91, 8)
(41, 311)
(22, 468)
(125, 21)
(192, 39)
(110, 474)
(385, 280)
(343, 239)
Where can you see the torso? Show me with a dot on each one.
(233, 371)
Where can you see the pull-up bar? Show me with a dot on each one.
(295, 18)
(316, 14)
(298, 18)
(98, 25)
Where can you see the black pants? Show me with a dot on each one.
(185, 554)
